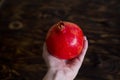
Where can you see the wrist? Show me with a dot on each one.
(54, 74)
(49, 75)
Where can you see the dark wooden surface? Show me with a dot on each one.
(24, 24)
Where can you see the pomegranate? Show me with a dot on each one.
(65, 40)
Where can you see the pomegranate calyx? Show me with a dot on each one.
(61, 25)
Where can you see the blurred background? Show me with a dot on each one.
(24, 25)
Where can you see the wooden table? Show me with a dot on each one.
(23, 28)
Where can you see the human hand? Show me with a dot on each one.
(65, 69)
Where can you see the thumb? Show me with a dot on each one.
(79, 60)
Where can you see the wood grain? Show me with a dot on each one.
(24, 25)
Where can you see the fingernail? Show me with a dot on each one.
(85, 37)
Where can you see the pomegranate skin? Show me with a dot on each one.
(65, 40)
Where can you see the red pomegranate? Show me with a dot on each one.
(65, 40)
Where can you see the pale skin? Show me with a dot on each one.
(59, 69)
